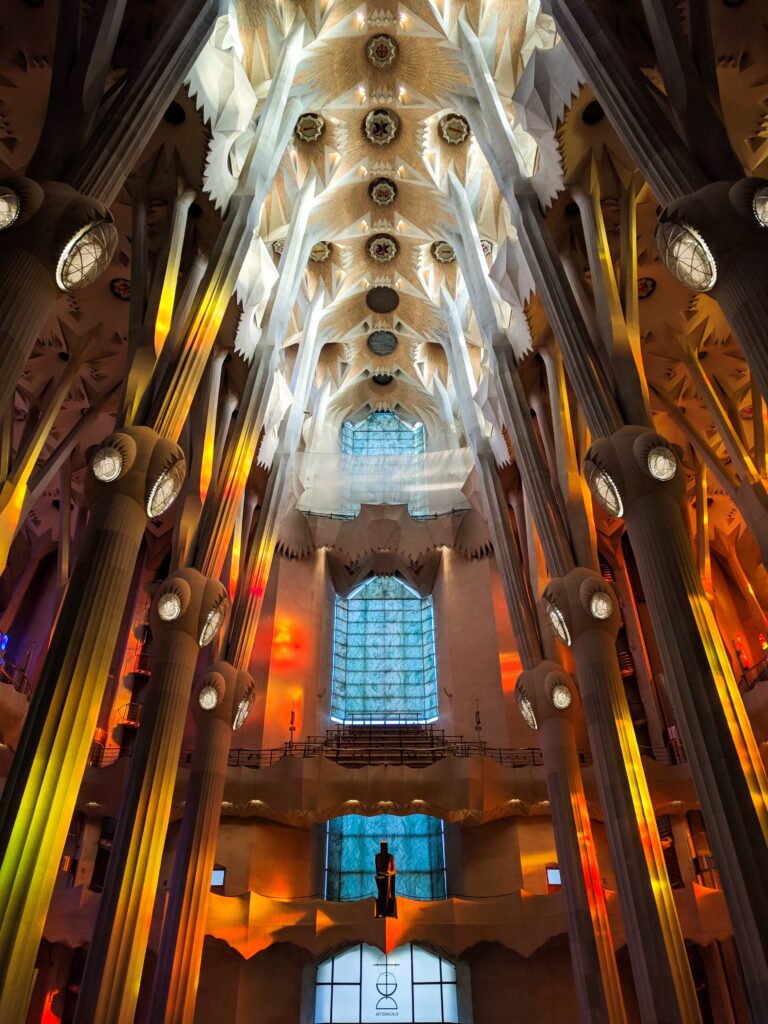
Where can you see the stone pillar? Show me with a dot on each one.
(582, 609)
(637, 473)
(50, 217)
(186, 614)
(549, 703)
(133, 466)
(221, 701)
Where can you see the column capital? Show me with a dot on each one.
(632, 463)
(547, 692)
(580, 603)
(730, 217)
(189, 603)
(139, 464)
(223, 693)
(51, 216)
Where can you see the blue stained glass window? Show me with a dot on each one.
(382, 433)
(384, 436)
(415, 841)
(384, 667)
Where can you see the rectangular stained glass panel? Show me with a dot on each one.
(415, 841)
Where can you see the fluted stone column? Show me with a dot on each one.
(39, 796)
(221, 701)
(727, 770)
(549, 702)
(50, 215)
(583, 610)
(186, 613)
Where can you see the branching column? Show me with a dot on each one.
(39, 797)
(720, 211)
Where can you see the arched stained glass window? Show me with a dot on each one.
(362, 985)
(383, 462)
(382, 433)
(384, 655)
(415, 840)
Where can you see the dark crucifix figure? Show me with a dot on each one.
(386, 901)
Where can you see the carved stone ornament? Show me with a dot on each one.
(310, 127)
(320, 252)
(382, 191)
(454, 129)
(382, 51)
(382, 343)
(443, 252)
(380, 126)
(382, 248)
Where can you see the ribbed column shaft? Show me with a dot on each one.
(589, 936)
(39, 797)
(725, 761)
(178, 965)
(518, 598)
(537, 482)
(110, 985)
(660, 967)
(174, 392)
(581, 359)
(219, 514)
(27, 291)
(254, 579)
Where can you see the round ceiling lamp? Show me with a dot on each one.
(86, 255)
(107, 463)
(10, 207)
(166, 489)
(686, 256)
(759, 206)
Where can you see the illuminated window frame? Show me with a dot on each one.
(384, 669)
(326, 1012)
(417, 842)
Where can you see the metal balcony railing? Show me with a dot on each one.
(357, 751)
(12, 675)
(754, 675)
(129, 715)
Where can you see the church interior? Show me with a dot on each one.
(383, 511)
